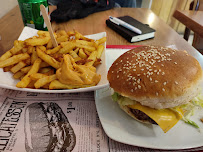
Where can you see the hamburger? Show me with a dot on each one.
(155, 85)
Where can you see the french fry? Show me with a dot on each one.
(76, 50)
(5, 56)
(34, 56)
(26, 79)
(30, 49)
(77, 59)
(54, 50)
(18, 74)
(100, 41)
(51, 61)
(17, 67)
(37, 41)
(18, 45)
(24, 50)
(100, 49)
(73, 54)
(43, 33)
(55, 84)
(83, 42)
(44, 70)
(14, 59)
(26, 69)
(43, 81)
(50, 72)
(80, 36)
(31, 84)
(27, 62)
(66, 47)
(46, 86)
(37, 76)
(70, 33)
(8, 68)
(43, 48)
(87, 52)
(82, 54)
(89, 48)
(61, 32)
(49, 44)
(63, 38)
(92, 57)
(44, 64)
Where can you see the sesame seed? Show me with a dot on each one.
(163, 89)
(131, 90)
(156, 81)
(157, 93)
(164, 83)
(176, 82)
(175, 63)
(139, 86)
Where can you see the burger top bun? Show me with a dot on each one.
(156, 77)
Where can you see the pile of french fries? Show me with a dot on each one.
(35, 60)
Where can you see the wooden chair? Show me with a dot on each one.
(194, 5)
(192, 19)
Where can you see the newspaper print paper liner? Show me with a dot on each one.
(122, 128)
(8, 82)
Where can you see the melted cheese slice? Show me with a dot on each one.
(165, 118)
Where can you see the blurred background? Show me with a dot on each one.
(162, 8)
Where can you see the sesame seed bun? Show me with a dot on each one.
(156, 77)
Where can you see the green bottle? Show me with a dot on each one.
(31, 14)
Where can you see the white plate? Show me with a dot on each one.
(122, 128)
(8, 82)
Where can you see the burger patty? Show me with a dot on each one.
(142, 116)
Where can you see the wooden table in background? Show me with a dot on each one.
(194, 21)
(11, 26)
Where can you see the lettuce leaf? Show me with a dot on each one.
(115, 96)
(189, 109)
(190, 122)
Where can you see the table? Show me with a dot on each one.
(193, 21)
(11, 26)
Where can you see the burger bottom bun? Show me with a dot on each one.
(162, 103)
